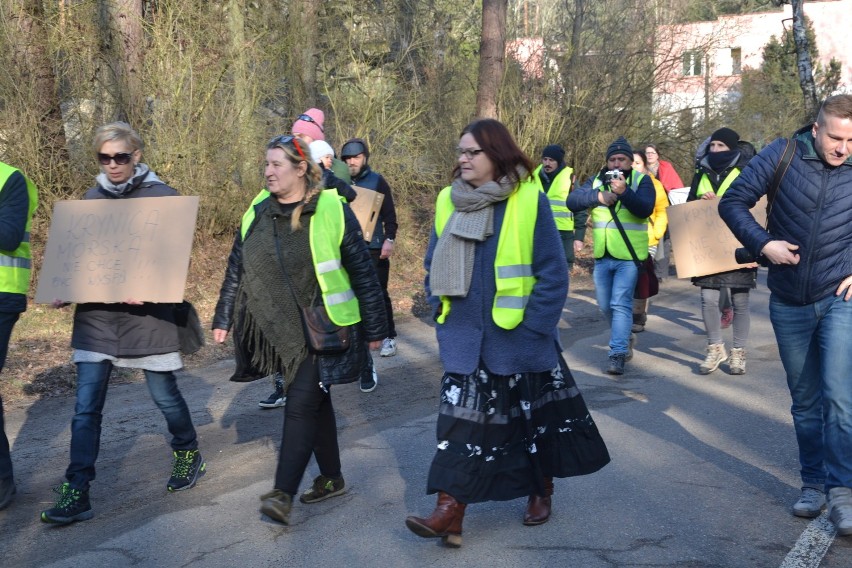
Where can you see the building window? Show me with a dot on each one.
(736, 61)
(692, 62)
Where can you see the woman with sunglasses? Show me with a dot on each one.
(132, 334)
(510, 417)
(288, 240)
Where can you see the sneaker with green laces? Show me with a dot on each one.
(323, 488)
(188, 467)
(71, 505)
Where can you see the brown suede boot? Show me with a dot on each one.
(538, 507)
(445, 521)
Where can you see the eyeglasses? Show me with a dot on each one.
(121, 159)
(287, 139)
(308, 118)
(469, 153)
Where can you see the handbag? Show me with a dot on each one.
(322, 336)
(190, 333)
(647, 284)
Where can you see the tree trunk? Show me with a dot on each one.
(492, 53)
(37, 75)
(803, 61)
(127, 58)
(304, 27)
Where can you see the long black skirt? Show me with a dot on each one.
(499, 436)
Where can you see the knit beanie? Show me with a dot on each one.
(320, 149)
(554, 152)
(620, 146)
(727, 137)
(313, 127)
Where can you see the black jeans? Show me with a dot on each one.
(310, 428)
(383, 270)
(7, 322)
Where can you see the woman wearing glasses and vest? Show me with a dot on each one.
(716, 171)
(301, 246)
(510, 417)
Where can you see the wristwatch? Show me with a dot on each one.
(389, 240)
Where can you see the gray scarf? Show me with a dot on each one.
(471, 222)
(139, 173)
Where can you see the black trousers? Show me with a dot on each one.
(310, 428)
(383, 270)
(7, 322)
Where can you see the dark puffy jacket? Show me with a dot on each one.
(122, 330)
(334, 369)
(812, 209)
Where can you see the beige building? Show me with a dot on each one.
(699, 64)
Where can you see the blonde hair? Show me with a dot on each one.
(297, 151)
(117, 131)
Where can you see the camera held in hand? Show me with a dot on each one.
(611, 175)
(743, 256)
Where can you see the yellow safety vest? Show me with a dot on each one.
(608, 238)
(557, 195)
(513, 263)
(16, 265)
(325, 234)
(704, 184)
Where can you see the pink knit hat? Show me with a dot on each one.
(310, 123)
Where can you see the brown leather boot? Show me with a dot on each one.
(538, 507)
(445, 521)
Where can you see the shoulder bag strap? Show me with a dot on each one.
(624, 236)
(780, 170)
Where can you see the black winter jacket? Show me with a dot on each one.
(333, 369)
(812, 209)
(122, 330)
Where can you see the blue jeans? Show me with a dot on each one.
(615, 281)
(92, 381)
(814, 344)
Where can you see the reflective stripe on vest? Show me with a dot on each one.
(513, 262)
(326, 235)
(608, 238)
(704, 184)
(16, 265)
(557, 195)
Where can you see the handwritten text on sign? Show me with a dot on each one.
(701, 242)
(111, 250)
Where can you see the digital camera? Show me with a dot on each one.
(743, 256)
(611, 175)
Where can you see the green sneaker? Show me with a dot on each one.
(72, 505)
(323, 488)
(188, 467)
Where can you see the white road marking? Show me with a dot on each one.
(812, 545)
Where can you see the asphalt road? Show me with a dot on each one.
(703, 474)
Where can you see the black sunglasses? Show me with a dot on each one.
(121, 159)
(308, 118)
(287, 139)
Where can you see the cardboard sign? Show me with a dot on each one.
(111, 250)
(366, 208)
(701, 242)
